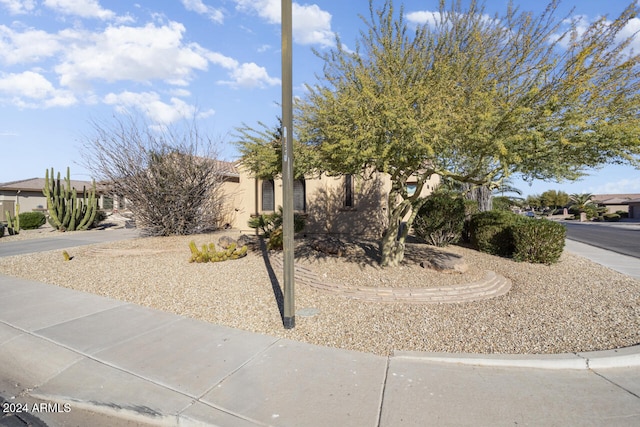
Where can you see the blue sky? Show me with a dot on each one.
(65, 63)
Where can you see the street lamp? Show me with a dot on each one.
(289, 319)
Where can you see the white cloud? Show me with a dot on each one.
(26, 47)
(621, 186)
(311, 25)
(139, 54)
(423, 17)
(32, 90)
(246, 75)
(250, 75)
(81, 8)
(150, 104)
(215, 15)
(18, 7)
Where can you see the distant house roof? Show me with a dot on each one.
(614, 199)
(37, 184)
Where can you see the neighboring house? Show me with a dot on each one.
(27, 193)
(634, 208)
(332, 205)
(614, 202)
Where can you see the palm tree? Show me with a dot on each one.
(581, 201)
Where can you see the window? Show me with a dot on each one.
(299, 196)
(348, 191)
(411, 188)
(268, 195)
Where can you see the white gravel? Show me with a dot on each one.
(575, 305)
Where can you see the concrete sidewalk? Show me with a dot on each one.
(73, 358)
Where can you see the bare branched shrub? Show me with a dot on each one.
(169, 176)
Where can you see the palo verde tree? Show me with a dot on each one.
(169, 175)
(473, 98)
(261, 151)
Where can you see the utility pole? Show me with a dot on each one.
(289, 319)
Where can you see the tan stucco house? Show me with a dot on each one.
(346, 204)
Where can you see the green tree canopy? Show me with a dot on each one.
(473, 98)
(554, 199)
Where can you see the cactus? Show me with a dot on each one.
(208, 253)
(13, 223)
(66, 210)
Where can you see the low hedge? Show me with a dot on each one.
(538, 241)
(31, 220)
(491, 232)
(525, 239)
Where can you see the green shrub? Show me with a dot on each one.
(440, 220)
(611, 217)
(491, 232)
(32, 220)
(623, 214)
(100, 216)
(470, 209)
(538, 241)
(1, 229)
(270, 226)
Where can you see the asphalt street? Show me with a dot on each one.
(621, 239)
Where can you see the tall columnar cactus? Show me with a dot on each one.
(13, 222)
(66, 210)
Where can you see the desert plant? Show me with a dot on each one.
(538, 241)
(268, 223)
(66, 256)
(270, 227)
(13, 222)
(168, 174)
(491, 232)
(209, 253)
(66, 211)
(440, 220)
(31, 220)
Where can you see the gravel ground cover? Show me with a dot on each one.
(575, 305)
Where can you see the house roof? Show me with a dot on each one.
(613, 199)
(37, 184)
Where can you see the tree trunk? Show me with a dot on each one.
(392, 245)
(481, 195)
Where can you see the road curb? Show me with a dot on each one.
(619, 358)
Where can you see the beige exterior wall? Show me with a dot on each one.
(28, 200)
(325, 211)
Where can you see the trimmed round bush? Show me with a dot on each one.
(491, 232)
(31, 220)
(440, 220)
(611, 217)
(538, 241)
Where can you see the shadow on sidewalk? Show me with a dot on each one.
(275, 285)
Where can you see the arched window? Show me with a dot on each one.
(348, 191)
(268, 195)
(299, 193)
